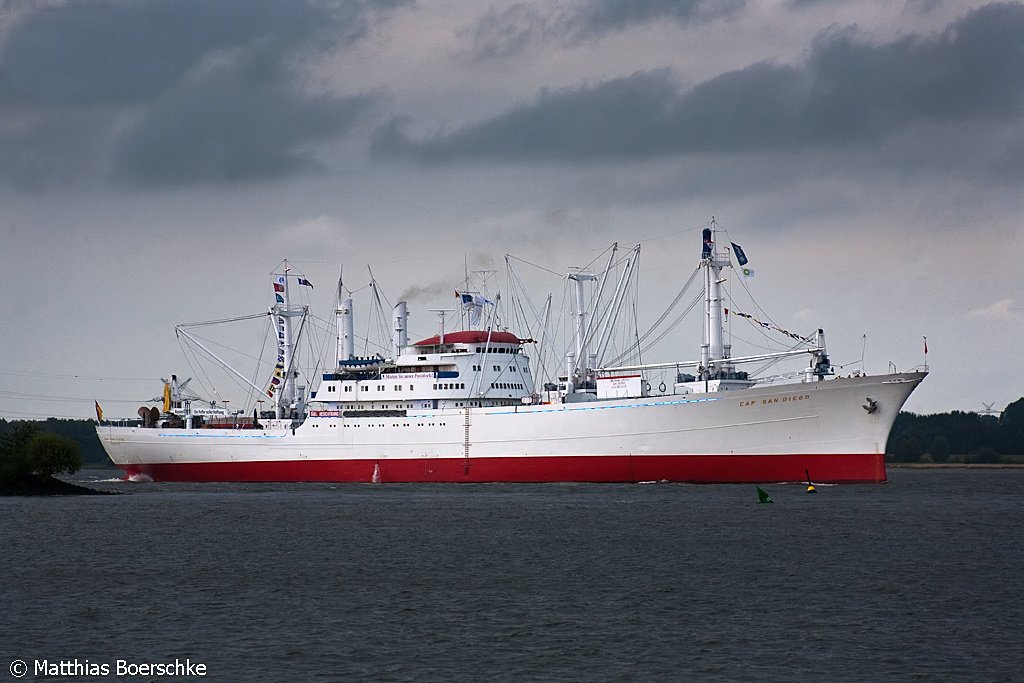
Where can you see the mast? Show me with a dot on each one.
(716, 369)
(713, 349)
(441, 313)
(581, 320)
(589, 335)
(283, 312)
(613, 314)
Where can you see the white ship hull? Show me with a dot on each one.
(835, 430)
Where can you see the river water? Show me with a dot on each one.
(917, 579)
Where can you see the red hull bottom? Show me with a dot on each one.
(697, 469)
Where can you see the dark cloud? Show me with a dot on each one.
(811, 3)
(508, 31)
(611, 120)
(199, 83)
(974, 70)
(611, 15)
(46, 150)
(916, 6)
(84, 53)
(847, 92)
(520, 25)
(230, 128)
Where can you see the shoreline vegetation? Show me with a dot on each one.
(35, 485)
(959, 437)
(31, 459)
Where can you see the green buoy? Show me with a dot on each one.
(763, 497)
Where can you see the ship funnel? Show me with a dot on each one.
(346, 331)
(400, 337)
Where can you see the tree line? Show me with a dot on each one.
(81, 431)
(30, 458)
(958, 437)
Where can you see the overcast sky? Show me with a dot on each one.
(158, 159)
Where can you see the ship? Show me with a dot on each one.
(465, 405)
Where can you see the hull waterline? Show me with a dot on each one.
(697, 469)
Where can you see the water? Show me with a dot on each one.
(918, 579)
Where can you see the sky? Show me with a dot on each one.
(159, 159)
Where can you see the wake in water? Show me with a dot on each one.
(137, 478)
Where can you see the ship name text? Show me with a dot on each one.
(776, 399)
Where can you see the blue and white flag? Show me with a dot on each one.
(741, 258)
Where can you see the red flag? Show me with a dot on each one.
(926, 346)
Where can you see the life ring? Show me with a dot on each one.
(661, 387)
(647, 387)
